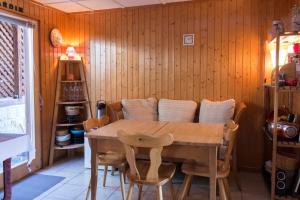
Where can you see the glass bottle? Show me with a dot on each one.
(66, 92)
(71, 92)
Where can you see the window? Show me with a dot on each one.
(12, 60)
(17, 81)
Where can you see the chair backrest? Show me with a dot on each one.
(232, 130)
(240, 108)
(155, 144)
(94, 123)
(115, 112)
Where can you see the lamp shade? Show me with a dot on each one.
(71, 52)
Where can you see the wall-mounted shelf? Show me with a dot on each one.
(286, 38)
(284, 88)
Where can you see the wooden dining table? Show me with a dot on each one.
(192, 141)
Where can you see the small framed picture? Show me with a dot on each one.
(188, 39)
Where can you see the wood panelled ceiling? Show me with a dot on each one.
(70, 6)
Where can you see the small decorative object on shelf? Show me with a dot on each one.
(73, 91)
(70, 55)
(72, 107)
(277, 27)
(71, 52)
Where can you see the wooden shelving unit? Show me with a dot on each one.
(280, 39)
(64, 69)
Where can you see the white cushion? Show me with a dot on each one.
(176, 110)
(140, 109)
(216, 111)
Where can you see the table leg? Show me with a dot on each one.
(213, 172)
(7, 179)
(94, 169)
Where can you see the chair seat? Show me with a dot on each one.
(193, 168)
(111, 158)
(165, 172)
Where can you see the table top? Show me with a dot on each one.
(131, 126)
(184, 133)
(194, 133)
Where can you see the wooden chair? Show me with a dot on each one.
(240, 109)
(191, 169)
(113, 159)
(114, 111)
(141, 172)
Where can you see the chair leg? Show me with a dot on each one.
(122, 185)
(159, 193)
(235, 170)
(187, 180)
(222, 192)
(189, 187)
(105, 174)
(88, 191)
(140, 191)
(227, 188)
(113, 169)
(171, 186)
(130, 190)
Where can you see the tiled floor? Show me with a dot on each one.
(74, 186)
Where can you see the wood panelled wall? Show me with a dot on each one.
(138, 53)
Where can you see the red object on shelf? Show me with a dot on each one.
(291, 82)
(296, 48)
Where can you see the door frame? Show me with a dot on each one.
(22, 170)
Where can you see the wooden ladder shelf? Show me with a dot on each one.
(68, 69)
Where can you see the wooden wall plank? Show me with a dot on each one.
(140, 67)
(217, 50)
(158, 56)
(147, 52)
(177, 48)
(183, 53)
(118, 55)
(224, 50)
(190, 53)
(203, 48)
(171, 62)
(165, 52)
(124, 59)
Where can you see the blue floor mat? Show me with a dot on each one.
(33, 186)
